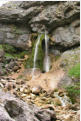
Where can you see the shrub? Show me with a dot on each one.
(73, 92)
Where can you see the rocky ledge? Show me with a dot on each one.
(60, 19)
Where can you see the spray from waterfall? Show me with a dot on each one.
(46, 58)
(35, 55)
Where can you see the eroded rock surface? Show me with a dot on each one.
(17, 110)
(60, 19)
(70, 58)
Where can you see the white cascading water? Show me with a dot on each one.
(64, 100)
(35, 55)
(46, 58)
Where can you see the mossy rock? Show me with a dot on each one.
(13, 52)
(9, 48)
(1, 47)
(40, 55)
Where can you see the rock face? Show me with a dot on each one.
(60, 19)
(70, 58)
(17, 110)
(15, 35)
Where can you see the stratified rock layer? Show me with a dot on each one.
(60, 19)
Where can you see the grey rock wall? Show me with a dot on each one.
(60, 19)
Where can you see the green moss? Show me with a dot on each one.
(9, 55)
(13, 52)
(22, 54)
(40, 55)
(1, 47)
(75, 71)
(16, 55)
(73, 92)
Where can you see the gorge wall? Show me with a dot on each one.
(21, 20)
(61, 19)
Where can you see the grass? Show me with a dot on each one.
(13, 52)
(75, 71)
(16, 55)
(73, 92)
(9, 55)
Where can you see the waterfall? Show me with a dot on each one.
(35, 55)
(46, 58)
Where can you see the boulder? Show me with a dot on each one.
(65, 81)
(14, 109)
(70, 58)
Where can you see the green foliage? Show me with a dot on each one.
(9, 55)
(8, 48)
(13, 52)
(75, 71)
(1, 47)
(16, 55)
(73, 92)
(21, 54)
(40, 56)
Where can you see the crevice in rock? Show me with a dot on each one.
(35, 3)
(78, 3)
(13, 108)
(65, 21)
(69, 9)
(62, 48)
